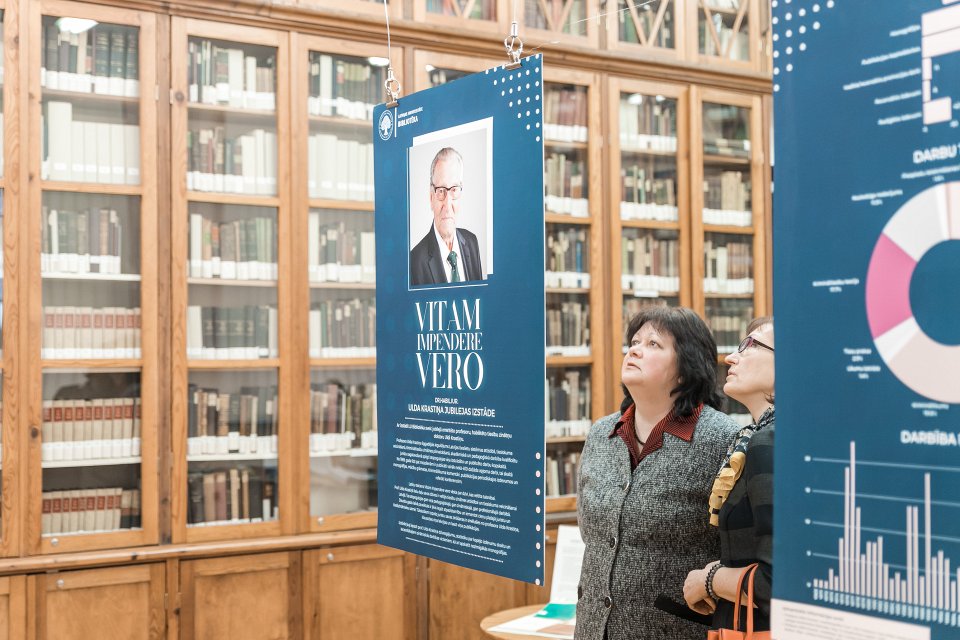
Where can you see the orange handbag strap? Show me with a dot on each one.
(746, 575)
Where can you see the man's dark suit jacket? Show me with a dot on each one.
(426, 263)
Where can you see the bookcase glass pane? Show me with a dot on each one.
(728, 319)
(651, 22)
(565, 16)
(232, 278)
(563, 458)
(568, 407)
(232, 427)
(470, 9)
(724, 29)
(730, 406)
(565, 150)
(90, 451)
(438, 76)
(568, 324)
(727, 264)
(726, 131)
(343, 441)
(650, 262)
(90, 113)
(343, 93)
(90, 269)
(343, 323)
(232, 128)
(648, 157)
(341, 247)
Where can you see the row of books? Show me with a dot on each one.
(568, 327)
(641, 185)
(567, 249)
(343, 328)
(84, 241)
(237, 333)
(566, 279)
(656, 212)
(103, 60)
(534, 18)
(234, 420)
(218, 75)
(728, 327)
(336, 253)
(90, 332)
(648, 122)
(727, 191)
(728, 267)
(728, 218)
(224, 448)
(561, 470)
(90, 429)
(339, 169)
(238, 495)
(565, 179)
(76, 150)
(89, 510)
(736, 147)
(565, 113)
(568, 403)
(344, 87)
(342, 417)
(223, 162)
(650, 252)
(236, 250)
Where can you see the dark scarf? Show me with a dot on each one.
(732, 465)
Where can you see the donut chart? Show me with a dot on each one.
(926, 366)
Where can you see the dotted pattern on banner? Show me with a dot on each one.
(522, 93)
(793, 25)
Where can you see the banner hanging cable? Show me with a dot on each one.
(391, 85)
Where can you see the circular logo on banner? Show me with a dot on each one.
(907, 305)
(385, 126)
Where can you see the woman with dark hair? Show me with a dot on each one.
(741, 503)
(645, 475)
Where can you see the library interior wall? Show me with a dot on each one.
(657, 125)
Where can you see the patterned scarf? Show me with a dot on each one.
(732, 465)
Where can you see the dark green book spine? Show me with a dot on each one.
(133, 55)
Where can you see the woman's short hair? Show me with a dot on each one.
(696, 356)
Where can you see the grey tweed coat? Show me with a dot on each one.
(645, 530)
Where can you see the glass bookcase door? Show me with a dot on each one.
(339, 85)
(560, 20)
(651, 226)
(477, 10)
(94, 302)
(727, 224)
(650, 24)
(230, 274)
(726, 29)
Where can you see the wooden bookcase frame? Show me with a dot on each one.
(598, 358)
(181, 30)
(681, 94)
(301, 46)
(146, 191)
(759, 197)
(12, 501)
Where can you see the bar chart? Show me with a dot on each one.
(923, 589)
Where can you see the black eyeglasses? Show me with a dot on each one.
(750, 341)
(441, 192)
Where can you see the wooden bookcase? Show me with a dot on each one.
(164, 207)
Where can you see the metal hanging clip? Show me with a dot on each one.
(511, 41)
(392, 87)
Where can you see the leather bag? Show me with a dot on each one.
(736, 633)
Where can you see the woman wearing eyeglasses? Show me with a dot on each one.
(741, 503)
(645, 475)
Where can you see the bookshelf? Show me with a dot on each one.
(230, 219)
(736, 32)
(653, 28)
(574, 275)
(92, 280)
(560, 21)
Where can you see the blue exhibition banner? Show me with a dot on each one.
(460, 322)
(867, 297)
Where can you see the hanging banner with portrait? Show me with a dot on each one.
(867, 265)
(460, 322)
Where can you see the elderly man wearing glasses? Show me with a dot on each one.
(446, 253)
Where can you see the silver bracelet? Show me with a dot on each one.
(708, 581)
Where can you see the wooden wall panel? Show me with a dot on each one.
(460, 598)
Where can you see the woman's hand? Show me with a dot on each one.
(695, 591)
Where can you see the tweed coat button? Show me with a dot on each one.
(625, 486)
(613, 542)
(608, 602)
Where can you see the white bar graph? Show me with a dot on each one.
(927, 589)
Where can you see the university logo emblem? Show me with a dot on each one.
(385, 126)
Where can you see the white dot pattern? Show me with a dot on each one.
(790, 42)
(514, 86)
